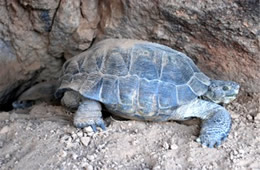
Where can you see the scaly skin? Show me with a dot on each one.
(216, 120)
(89, 114)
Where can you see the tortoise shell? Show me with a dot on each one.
(131, 76)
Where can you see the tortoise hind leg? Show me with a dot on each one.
(89, 114)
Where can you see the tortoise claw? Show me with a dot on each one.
(92, 122)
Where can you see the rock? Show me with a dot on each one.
(80, 134)
(88, 130)
(173, 146)
(89, 167)
(222, 37)
(4, 130)
(1, 143)
(166, 145)
(257, 117)
(37, 36)
(249, 117)
(63, 154)
(66, 138)
(85, 140)
(90, 157)
(74, 156)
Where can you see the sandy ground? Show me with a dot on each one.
(43, 137)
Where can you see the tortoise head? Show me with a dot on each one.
(222, 91)
(22, 104)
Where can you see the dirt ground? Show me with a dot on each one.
(43, 137)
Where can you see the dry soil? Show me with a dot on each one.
(43, 137)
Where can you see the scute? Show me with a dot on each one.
(197, 86)
(167, 95)
(147, 98)
(109, 90)
(185, 94)
(90, 64)
(93, 91)
(175, 69)
(127, 89)
(146, 62)
(116, 62)
(203, 78)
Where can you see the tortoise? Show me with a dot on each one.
(141, 80)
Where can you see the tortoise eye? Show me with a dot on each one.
(225, 88)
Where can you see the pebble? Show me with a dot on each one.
(173, 146)
(165, 145)
(80, 134)
(63, 154)
(65, 138)
(249, 117)
(157, 167)
(85, 140)
(89, 167)
(88, 129)
(7, 156)
(74, 135)
(257, 117)
(77, 140)
(241, 151)
(74, 156)
(91, 157)
(235, 116)
(1, 143)
(4, 130)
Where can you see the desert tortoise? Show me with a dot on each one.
(144, 81)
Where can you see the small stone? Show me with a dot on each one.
(173, 146)
(88, 129)
(241, 151)
(4, 130)
(85, 140)
(77, 140)
(65, 138)
(7, 156)
(74, 156)
(63, 154)
(249, 117)
(257, 117)
(157, 167)
(80, 134)
(1, 143)
(90, 157)
(165, 145)
(74, 135)
(235, 116)
(89, 167)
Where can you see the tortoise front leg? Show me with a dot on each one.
(89, 114)
(216, 120)
(215, 128)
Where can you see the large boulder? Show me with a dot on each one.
(37, 36)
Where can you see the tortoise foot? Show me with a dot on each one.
(81, 121)
(215, 129)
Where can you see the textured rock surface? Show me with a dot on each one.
(221, 36)
(37, 36)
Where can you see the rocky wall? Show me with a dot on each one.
(37, 36)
